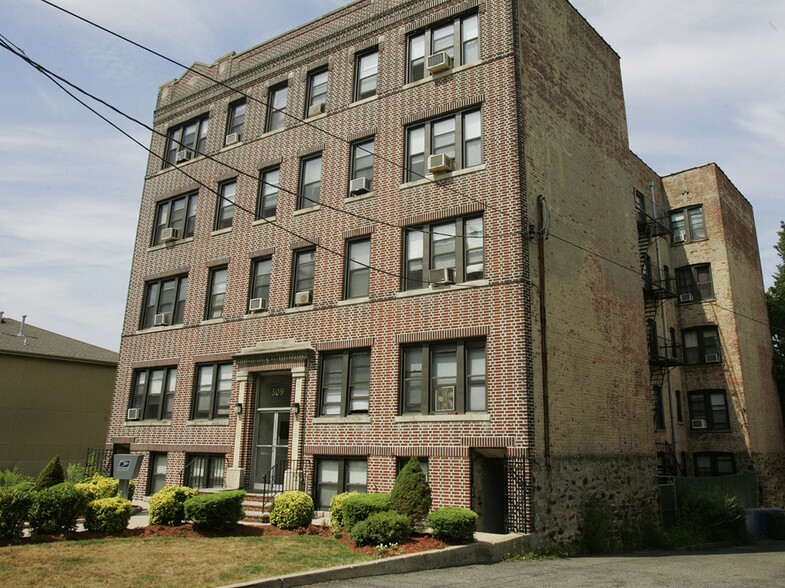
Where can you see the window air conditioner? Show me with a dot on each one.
(681, 238)
(170, 234)
(232, 138)
(359, 186)
(316, 109)
(132, 415)
(302, 298)
(442, 277)
(440, 163)
(699, 423)
(257, 304)
(184, 155)
(162, 319)
(712, 358)
(686, 297)
(440, 61)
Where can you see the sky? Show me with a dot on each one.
(704, 81)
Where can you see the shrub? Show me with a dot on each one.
(411, 494)
(108, 515)
(382, 528)
(166, 505)
(14, 508)
(99, 487)
(360, 507)
(453, 524)
(216, 512)
(291, 510)
(596, 533)
(25, 486)
(56, 509)
(51, 475)
(712, 516)
(10, 478)
(336, 509)
(76, 473)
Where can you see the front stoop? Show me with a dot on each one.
(257, 508)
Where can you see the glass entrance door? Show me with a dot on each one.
(271, 431)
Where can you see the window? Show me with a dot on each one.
(400, 462)
(164, 302)
(714, 463)
(186, 141)
(157, 478)
(153, 393)
(303, 272)
(213, 389)
(458, 38)
(357, 272)
(458, 136)
(236, 119)
(216, 292)
(659, 409)
(362, 162)
(694, 282)
(175, 213)
(310, 181)
(337, 475)
(711, 406)
(457, 243)
(701, 345)
(444, 378)
(268, 193)
(225, 205)
(276, 108)
(366, 74)
(204, 471)
(345, 382)
(317, 92)
(260, 278)
(679, 411)
(688, 224)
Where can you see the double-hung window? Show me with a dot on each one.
(310, 181)
(153, 393)
(276, 108)
(178, 213)
(358, 272)
(688, 224)
(458, 38)
(694, 282)
(709, 408)
(260, 278)
(157, 477)
(235, 122)
(317, 92)
(268, 193)
(212, 391)
(164, 302)
(216, 293)
(204, 471)
(302, 277)
(366, 74)
(225, 205)
(337, 475)
(457, 136)
(454, 245)
(714, 463)
(345, 382)
(362, 166)
(443, 378)
(701, 345)
(186, 141)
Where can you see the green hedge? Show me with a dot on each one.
(291, 510)
(108, 515)
(51, 475)
(336, 509)
(382, 528)
(216, 512)
(14, 509)
(56, 509)
(360, 507)
(411, 494)
(166, 505)
(453, 524)
(99, 487)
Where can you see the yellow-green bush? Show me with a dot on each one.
(99, 487)
(108, 515)
(336, 509)
(291, 510)
(166, 505)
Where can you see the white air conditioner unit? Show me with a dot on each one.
(712, 358)
(680, 238)
(162, 319)
(133, 414)
(170, 234)
(442, 277)
(184, 155)
(316, 109)
(440, 61)
(440, 163)
(686, 297)
(359, 186)
(302, 298)
(257, 304)
(699, 423)
(232, 138)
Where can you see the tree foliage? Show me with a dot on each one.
(775, 300)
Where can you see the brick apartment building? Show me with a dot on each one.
(416, 228)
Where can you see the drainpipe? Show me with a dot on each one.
(546, 415)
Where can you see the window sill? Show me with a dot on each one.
(702, 431)
(232, 146)
(295, 309)
(315, 117)
(207, 423)
(351, 301)
(179, 165)
(699, 301)
(435, 418)
(273, 132)
(251, 315)
(688, 241)
(159, 329)
(436, 289)
(264, 221)
(431, 78)
(433, 178)
(168, 245)
(221, 231)
(358, 198)
(214, 321)
(307, 210)
(338, 420)
(149, 423)
(364, 101)
(702, 365)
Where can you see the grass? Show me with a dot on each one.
(131, 563)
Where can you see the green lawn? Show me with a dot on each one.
(179, 562)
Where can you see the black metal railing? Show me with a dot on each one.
(99, 461)
(667, 462)
(286, 474)
(652, 220)
(657, 284)
(664, 352)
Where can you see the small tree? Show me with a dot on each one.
(52, 475)
(775, 300)
(411, 494)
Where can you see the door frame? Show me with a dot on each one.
(276, 411)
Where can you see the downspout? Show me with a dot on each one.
(542, 232)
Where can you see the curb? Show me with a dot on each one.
(481, 552)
